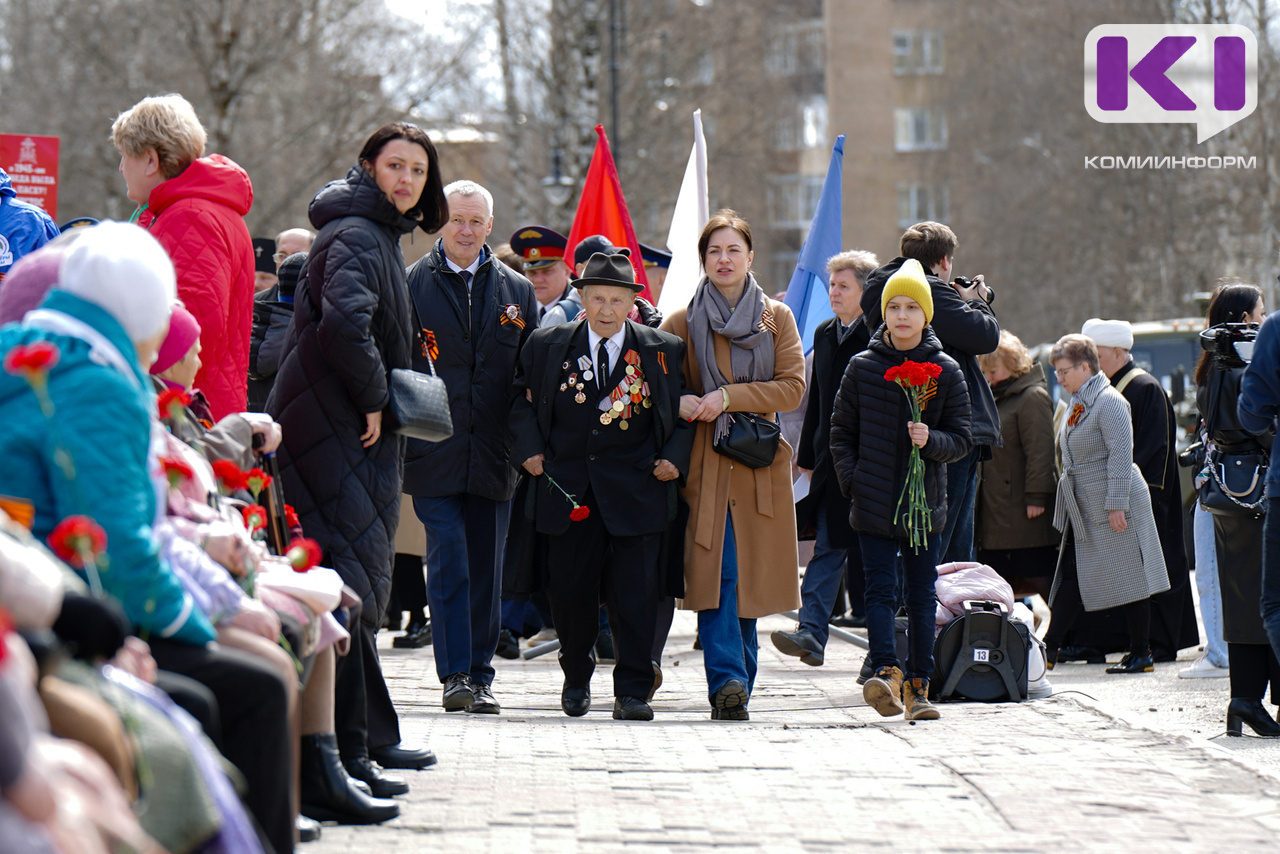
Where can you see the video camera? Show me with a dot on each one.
(1230, 342)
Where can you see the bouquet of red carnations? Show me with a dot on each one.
(919, 381)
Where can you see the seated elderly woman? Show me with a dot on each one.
(1111, 553)
(78, 414)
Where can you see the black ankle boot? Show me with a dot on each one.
(327, 791)
(1245, 710)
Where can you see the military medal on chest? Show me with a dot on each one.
(631, 391)
(585, 365)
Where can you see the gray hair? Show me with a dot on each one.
(470, 188)
(859, 261)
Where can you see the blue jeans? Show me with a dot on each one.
(1210, 589)
(822, 582)
(465, 534)
(880, 558)
(956, 542)
(729, 645)
(1271, 574)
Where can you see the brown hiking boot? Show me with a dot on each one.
(915, 696)
(883, 691)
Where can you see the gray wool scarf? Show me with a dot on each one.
(751, 350)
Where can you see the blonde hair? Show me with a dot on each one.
(857, 260)
(166, 123)
(1011, 353)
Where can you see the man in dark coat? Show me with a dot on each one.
(599, 429)
(825, 509)
(967, 327)
(1173, 616)
(476, 314)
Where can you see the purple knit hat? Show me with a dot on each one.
(29, 281)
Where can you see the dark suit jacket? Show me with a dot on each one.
(623, 493)
(814, 453)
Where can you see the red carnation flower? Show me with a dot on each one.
(229, 476)
(255, 517)
(171, 402)
(177, 471)
(303, 554)
(291, 517)
(78, 540)
(32, 361)
(578, 513)
(256, 480)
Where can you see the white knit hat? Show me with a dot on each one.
(125, 271)
(1108, 333)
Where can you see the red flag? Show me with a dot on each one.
(603, 210)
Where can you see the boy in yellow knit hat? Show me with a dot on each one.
(872, 436)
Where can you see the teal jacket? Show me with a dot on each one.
(101, 422)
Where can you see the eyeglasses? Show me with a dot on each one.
(279, 257)
(1061, 373)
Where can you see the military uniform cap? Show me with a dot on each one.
(538, 246)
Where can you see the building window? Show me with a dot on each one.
(919, 129)
(796, 48)
(793, 200)
(920, 202)
(917, 52)
(803, 128)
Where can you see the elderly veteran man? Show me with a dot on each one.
(598, 426)
(1173, 618)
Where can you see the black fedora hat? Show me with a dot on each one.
(613, 270)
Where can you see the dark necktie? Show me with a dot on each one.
(602, 365)
(466, 278)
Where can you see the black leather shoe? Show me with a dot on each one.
(730, 695)
(800, 643)
(484, 703)
(849, 621)
(1133, 664)
(457, 692)
(328, 794)
(416, 636)
(631, 709)
(1244, 710)
(308, 828)
(383, 785)
(867, 671)
(399, 756)
(576, 702)
(508, 646)
(657, 681)
(738, 713)
(1087, 654)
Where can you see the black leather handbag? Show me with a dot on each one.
(419, 406)
(1236, 485)
(752, 440)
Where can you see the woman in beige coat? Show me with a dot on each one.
(740, 544)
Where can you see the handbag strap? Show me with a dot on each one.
(418, 331)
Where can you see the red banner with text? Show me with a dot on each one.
(32, 164)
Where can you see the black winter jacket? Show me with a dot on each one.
(478, 339)
(351, 326)
(869, 440)
(967, 330)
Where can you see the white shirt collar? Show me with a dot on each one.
(614, 345)
(472, 268)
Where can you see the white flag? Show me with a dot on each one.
(691, 214)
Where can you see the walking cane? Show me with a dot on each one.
(277, 529)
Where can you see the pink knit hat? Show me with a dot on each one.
(184, 332)
(29, 282)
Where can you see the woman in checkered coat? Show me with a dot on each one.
(1111, 552)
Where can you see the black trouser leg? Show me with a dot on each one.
(253, 705)
(409, 585)
(631, 588)
(1067, 606)
(574, 593)
(350, 702)
(666, 614)
(1138, 615)
(196, 700)
(1250, 669)
(382, 722)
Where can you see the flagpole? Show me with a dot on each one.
(691, 213)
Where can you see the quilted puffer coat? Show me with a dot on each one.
(869, 440)
(198, 217)
(351, 325)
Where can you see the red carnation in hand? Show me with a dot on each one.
(32, 361)
(303, 554)
(256, 480)
(177, 471)
(230, 478)
(255, 517)
(578, 513)
(291, 517)
(6, 626)
(171, 402)
(78, 540)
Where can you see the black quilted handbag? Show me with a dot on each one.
(419, 406)
(752, 440)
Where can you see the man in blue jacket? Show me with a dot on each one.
(475, 313)
(23, 227)
(1257, 407)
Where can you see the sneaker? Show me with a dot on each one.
(484, 703)
(1203, 668)
(457, 692)
(800, 643)
(883, 691)
(915, 700)
(508, 646)
(545, 636)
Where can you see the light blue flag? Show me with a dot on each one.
(807, 293)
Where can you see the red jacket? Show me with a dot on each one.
(199, 219)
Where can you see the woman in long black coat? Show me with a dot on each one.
(352, 325)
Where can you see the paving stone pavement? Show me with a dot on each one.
(814, 770)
